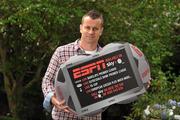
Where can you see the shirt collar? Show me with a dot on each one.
(78, 48)
(76, 45)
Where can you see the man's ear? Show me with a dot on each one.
(101, 31)
(80, 28)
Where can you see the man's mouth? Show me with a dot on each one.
(90, 36)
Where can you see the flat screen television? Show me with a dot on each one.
(94, 82)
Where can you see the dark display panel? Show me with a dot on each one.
(102, 77)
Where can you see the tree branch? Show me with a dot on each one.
(36, 77)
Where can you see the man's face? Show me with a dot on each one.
(91, 30)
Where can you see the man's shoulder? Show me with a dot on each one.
(67, 46)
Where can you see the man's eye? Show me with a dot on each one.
(88, 28)
(95, 29)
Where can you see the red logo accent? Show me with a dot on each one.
(137, 51)
(145, 73)
(88, 69)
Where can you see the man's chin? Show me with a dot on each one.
(91, 38)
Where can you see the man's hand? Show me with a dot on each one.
(59, 104)
(148, 84)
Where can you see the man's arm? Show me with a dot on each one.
(48, 88)
(48, 80)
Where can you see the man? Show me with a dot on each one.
(91, 29)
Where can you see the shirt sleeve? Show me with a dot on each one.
(48, 79)
(47, 102)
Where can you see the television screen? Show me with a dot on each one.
(102, 78)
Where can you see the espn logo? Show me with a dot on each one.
(88, 69)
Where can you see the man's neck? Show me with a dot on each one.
(88, 46)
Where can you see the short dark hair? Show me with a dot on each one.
(94, 15)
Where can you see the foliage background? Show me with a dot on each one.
(30, 30)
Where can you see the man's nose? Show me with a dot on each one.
(91, 31)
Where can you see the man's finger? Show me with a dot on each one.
(62, 102)
(66, 110)
(63, 108)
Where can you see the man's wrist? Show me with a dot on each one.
(47, 101)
